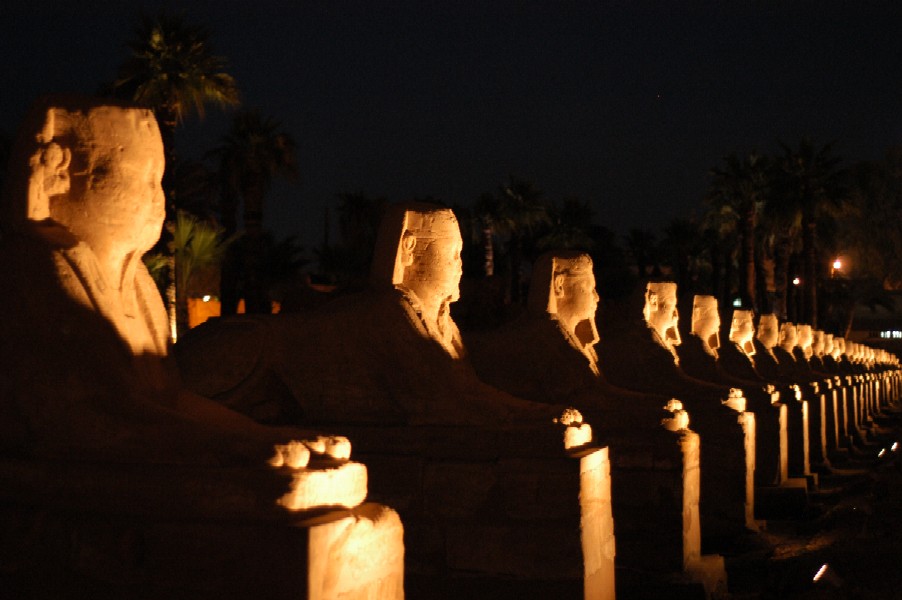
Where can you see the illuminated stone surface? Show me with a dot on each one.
(92, 413)
(548, 355)
(388, 366)
(702, 357)
(634, 355)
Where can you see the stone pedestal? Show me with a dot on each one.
(82, 530)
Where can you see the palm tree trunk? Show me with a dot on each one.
(488, 234)
(809, 251)
(166, 117)
(747, 259)
(782, 254)
(231, 264)
(256, 300)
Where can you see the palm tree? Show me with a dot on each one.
(251, 154)
(513, 213)
(682, 241)
(172, 70)
(198, 244)
(807, 185)
(642, 244)
(569, 227)
(740, 188)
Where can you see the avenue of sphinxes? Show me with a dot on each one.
(277, 456)
(548, 355)
(484, 481)
(638, 352)
(115, 480)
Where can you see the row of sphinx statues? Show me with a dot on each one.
(510, 454)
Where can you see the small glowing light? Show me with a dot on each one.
(837, 264)
(895, 446)
(796, 281)
(820, 572)
(206, 298)
(737, 303)
(882, 452)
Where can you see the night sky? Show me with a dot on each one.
(626, 105)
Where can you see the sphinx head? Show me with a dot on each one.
(839, 347)
(563, 287)
(93, 167)
(418, 249)
(768, 330)
(661, 313)
(804, 339)
(817, 342)
(828, 344)
(742, 331)
(706, 320)
(789, 336)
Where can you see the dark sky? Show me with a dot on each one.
(624, 104)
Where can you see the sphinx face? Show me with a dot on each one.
(661, 312)
(578, 301)
(768, 331)
(115, 195)
(706, 321)
(742, 331)
(839, 347)
(817, 342)
(435, 265)
(805, 337)
(788, 336)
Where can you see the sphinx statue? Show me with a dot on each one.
(661, 315)
(94, 422)
(388, 364)
(640, 352)
(702, 357)
(548, 355)
(85, 352)
(737, 356)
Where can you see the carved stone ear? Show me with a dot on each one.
(558, 286)
(55, 161)
(408, 243)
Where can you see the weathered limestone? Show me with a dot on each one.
(638, 353)
(481, 478)
(98, 443)
(548, 355)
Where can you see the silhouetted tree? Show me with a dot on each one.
(251, 155)
(808, 183)
(172, 70)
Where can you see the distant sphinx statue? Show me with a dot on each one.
(706, 322)
(564, 291)
(548, 355)
(641, 352)
(766, 362)
(661, 314)
(803, 344)
(418, 254)
(737, 356)
(742, 331)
